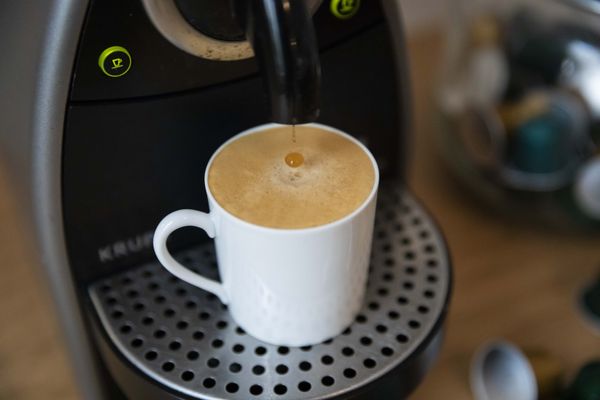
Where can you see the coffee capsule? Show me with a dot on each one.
(587, 188)
(586, 385)
(515, 114)
(541, 144)
(544, 151)
(501, 371)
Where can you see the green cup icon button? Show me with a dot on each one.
(344, 9)
(115, 61)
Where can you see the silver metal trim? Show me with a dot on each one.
(42, 39)
(168, 20)
(54, 78)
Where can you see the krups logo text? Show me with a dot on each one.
(124, 248)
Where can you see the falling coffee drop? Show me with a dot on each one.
(294, 133)
(294, 159)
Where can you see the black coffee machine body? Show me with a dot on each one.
(108, 121)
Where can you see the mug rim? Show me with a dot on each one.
(330, 225)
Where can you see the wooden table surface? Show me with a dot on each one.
(512, 281)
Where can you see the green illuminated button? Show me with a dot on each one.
(344, 9)
(115, 61)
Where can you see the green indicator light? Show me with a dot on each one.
(344, 9)
(115, 61)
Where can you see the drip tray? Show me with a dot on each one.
(183, 338)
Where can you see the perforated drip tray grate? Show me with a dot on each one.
(185, 339)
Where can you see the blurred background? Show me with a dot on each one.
(504, 153)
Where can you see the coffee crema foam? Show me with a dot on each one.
(250, 178)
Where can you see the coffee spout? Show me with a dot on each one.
(284, 41)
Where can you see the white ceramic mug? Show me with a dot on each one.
(291, 287)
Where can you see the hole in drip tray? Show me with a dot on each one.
(414, 324)
(169, 312)
(327, 360)
(187, 376)
(256, 390)
(349, 373)
(370, 363)
(204, 315)
(304, 386)
(258, 370)
(232, 387)
(151, 355)
(191, 304)
(402, 338)
(281, 369)
(305, 366)
(168, 366)
(327, 381)
(209, 383)
(238, 348)
(280, 389)
(222, 324)
(182, 325)
(213, 362)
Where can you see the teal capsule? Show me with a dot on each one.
(543, 144)
(586, 385)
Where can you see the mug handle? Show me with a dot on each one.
(171, 223)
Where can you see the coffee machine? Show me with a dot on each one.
(110, 111)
